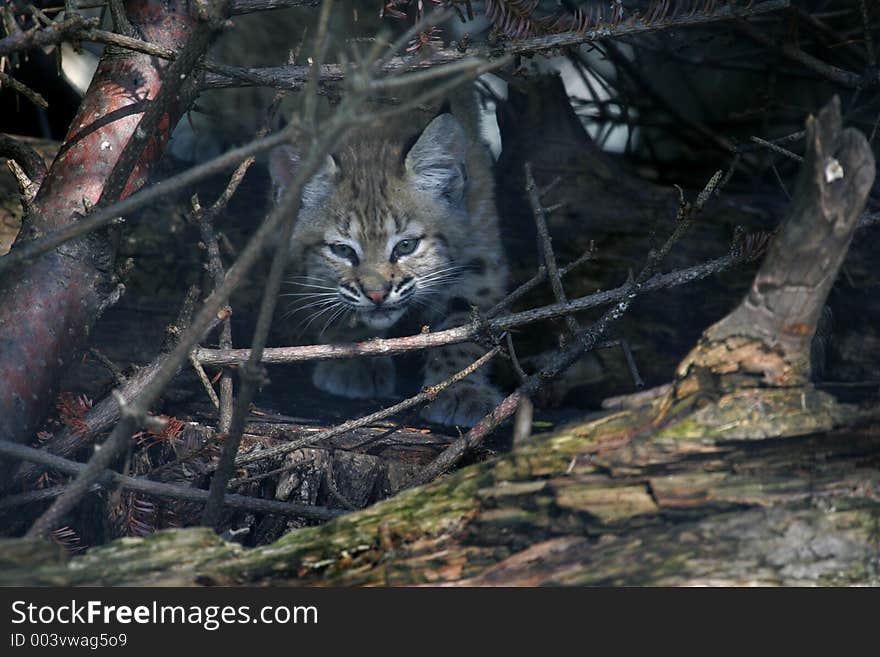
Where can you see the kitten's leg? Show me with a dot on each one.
(465, 403)
(358, 378)
(355, 378)
(468, 401)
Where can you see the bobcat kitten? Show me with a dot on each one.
(393, 228)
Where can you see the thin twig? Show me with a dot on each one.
(631, 363)
(24, 90)
(546, 244)
(206, 382)
(101, 217)
(778, 149)
(251, 373)
(581, 343)
(294, 77)
(205, 219)
(428, 394)
(238, 7)
(241, 481)
(467, 332)
(162, 189)
(830, 72)
(31, 496)
(112, 367)
(110, 479)
(514, 360)
(537, 279)
(346, 116)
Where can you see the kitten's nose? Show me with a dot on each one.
(376, 296)
(375, 287)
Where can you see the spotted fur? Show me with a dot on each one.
(392, 228)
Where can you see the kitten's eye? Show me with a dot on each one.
(344, 251)
(405, 247)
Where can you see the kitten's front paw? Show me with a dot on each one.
(364, 378)
(463, 405)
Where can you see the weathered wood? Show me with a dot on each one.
(768, 336)
(604, 502)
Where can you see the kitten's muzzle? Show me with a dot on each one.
(377, 295)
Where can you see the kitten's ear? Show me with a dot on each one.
(283, 164)
(436, 162)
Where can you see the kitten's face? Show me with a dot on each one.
(373, 234)
(377, 274)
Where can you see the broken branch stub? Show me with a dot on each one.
(768, 336)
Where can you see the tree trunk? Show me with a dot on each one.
(49, 305)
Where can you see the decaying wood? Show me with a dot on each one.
(695, 503)
(768, 336)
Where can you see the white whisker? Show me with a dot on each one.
(311, 319)
(308, 294)
(313, 287)
(334, 316)
(320, 302)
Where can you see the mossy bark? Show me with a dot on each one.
(639, 497)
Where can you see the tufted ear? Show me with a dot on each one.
(436, 162)
(283, 163)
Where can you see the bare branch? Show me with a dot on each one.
(331, 133)
(828, 71)
(546, 244)
(294, 77)
(70, 28)
(101, 217)
(582, 342)
(237, 7)
(109, 479)
(24, 90)
(250, 373)
(425, 396)
(467, 332)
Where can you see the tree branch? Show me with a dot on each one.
(108, 479)
(582, 342)
(467, 332)
(294, 77)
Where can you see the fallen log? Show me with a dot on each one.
(678, 507)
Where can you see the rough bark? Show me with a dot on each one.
(50, 304)
(767, 338)
(706, 500)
